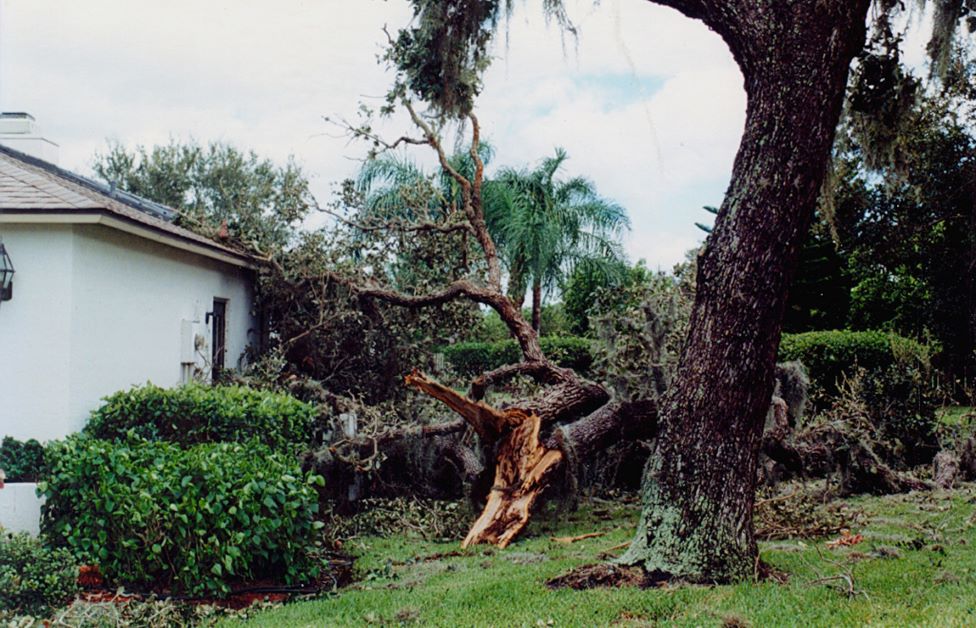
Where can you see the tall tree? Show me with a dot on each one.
(544, 227)
(795, 56)
(911, 240)
(218, 189)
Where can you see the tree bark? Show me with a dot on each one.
(699, 485)
(536, 306)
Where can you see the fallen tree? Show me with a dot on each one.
(510, 455)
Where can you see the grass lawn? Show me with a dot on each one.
(915, 567)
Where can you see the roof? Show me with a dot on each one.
(33, 190)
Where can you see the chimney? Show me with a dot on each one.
(19, 131)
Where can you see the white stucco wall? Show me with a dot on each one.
(20, 508)
(35, 332)
(97, 310)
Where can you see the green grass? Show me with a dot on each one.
(956, 415)
(929, 581)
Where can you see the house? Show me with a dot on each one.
(107, 293)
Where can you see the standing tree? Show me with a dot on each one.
(218, 189)
(795, 56)
(545, 227)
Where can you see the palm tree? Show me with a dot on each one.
(545, 227)
(396, 187)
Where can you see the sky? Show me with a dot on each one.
(648, 104)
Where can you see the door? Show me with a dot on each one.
(218, 343)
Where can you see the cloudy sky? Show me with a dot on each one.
(647, 103)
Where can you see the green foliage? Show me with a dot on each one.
(34, 579)
(820, 295)
(545, 227)
(473, 358)
(902, 224)
(152, 514)
(261, 203)
(490, 328)
(895, 388)
(194, 414)
(441, 56)
(640, 327)
(21, 461)
(829, 355)
(588, 284)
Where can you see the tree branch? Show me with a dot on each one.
(398, 225)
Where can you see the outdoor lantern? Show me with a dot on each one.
(6, 275)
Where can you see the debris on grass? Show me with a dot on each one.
(429, 519)
(846, 539)
(566, 540)
(604, 575)
(802, 514)
(608, 553)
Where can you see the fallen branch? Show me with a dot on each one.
(567, 540)
(608, 553)
(524, 466)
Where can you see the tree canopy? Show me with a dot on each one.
(258, 202)
(545, 227)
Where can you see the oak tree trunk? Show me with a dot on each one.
(699, 485)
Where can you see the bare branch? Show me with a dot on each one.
(398, 224)
(361, 132)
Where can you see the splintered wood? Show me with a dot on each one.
(523, 466)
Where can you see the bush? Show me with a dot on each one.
(896, 388)
(34, 579)
(194, 414)
(194, 519)
(829, 355)
(21, 461)
(473, 358)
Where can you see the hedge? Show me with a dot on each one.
(473, 358)
(185, 519)
(195, 414)
(21, 461)
(829, 355)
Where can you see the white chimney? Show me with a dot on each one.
(20, 132)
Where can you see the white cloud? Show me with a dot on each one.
(648, 103)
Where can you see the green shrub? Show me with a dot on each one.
(34, 579)
(473, 358)
(194, 414)
(21, 461)
(829, 355)
(897, 385)
(193, 519)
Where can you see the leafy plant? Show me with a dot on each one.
(21, 461)
(473, 358)
(194, 414)
(33, 578)
(194, 519)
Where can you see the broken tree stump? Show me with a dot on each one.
(523, 465)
